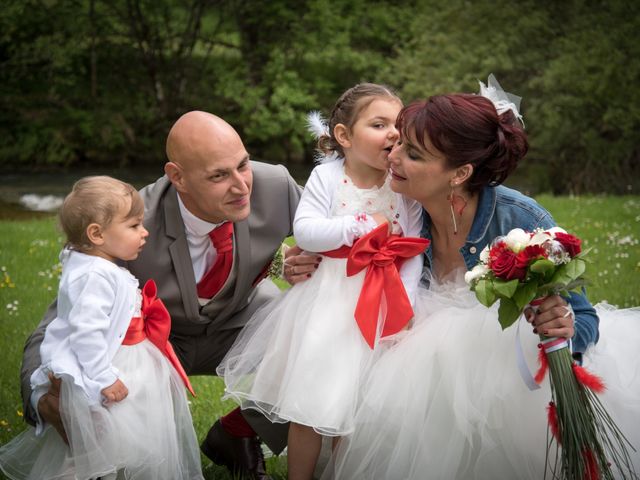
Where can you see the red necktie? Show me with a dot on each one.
(213, 280)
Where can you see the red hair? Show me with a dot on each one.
(467, 130)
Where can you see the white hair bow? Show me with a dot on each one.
(502, 100)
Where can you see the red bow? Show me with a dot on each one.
(155, 324)
(380, 253)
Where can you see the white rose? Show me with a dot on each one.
(555, 230)
(517, 239)
(539, 237)
(484, 254)
(475, 273)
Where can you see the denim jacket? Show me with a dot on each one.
(501, 209)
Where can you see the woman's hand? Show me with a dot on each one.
(554, 318)
(298, 267)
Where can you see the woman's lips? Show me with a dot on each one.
(395, 176)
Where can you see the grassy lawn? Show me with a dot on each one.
(611, 227)
(29, 272)
(29, 275)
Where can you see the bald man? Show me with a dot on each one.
(209, 180)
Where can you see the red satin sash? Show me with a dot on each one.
(381, 254)
(155, 324)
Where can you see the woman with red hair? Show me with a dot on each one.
(445, 401)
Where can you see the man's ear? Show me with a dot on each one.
(174, 172)
(94, 234)
(341, 133)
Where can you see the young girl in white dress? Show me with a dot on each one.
(122, 393)
(446, 401)
(301, 358)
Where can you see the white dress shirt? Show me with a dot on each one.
(203, 253)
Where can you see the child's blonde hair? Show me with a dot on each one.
(347, 109)
(95, 199)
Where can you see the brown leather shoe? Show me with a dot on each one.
(241, 455)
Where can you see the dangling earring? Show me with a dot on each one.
(457, 204)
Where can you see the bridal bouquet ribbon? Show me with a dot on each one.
(381, 254)
(519, 271)
(155, 324)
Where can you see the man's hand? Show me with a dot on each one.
(49, 407)
(116, 392)
(297, 266)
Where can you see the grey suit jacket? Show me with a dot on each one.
(166, 259)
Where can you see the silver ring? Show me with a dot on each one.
(570, 312)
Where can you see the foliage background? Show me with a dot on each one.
(97, 82)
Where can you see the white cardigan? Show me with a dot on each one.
(317, 230)
(96, 302)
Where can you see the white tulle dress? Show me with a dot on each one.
(446, 401)
(149, 435)
(302, 356)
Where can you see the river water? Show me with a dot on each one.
(29, 194)
(35, 194)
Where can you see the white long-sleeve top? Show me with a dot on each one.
(96, 301)
(318, 226)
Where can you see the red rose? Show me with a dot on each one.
(527, 256)
(570, 243)
(496, 250)
(503, 263)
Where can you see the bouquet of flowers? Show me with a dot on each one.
(519, 270)
(523, 266)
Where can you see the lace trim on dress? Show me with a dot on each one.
(352, 200)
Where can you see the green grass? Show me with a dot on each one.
(610, 226)
(29, 272)
(29, 275)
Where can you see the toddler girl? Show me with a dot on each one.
(122, 399)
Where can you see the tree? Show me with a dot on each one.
(589, 102)
(575, 64)
(102, 81)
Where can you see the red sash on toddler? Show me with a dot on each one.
(155, 324)
(381, 254)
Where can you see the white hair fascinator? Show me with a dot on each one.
(502, 100)
(319, 128)
(316, 124)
